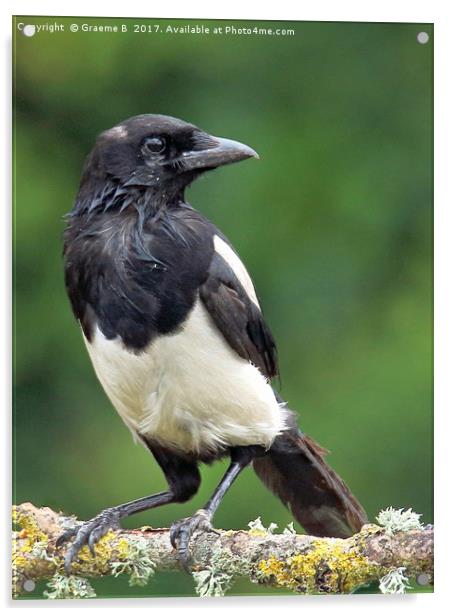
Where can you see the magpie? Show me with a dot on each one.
(176, 334)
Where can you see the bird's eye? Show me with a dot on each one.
(154, 145)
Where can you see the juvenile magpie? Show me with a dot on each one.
(176, 335)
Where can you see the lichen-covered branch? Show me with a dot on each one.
(298, 563)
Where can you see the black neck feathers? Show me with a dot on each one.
(114, 196)
(134, 261)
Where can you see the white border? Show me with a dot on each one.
(346, 10)
(330, 10)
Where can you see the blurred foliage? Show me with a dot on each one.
(334, 223)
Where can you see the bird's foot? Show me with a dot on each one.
(88, 534)
(182, 531)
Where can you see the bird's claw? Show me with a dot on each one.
(88, 534)
(68, 534)
(182, 531)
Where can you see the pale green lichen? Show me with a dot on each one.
(394, 520)
(257, 528)
(134, 560)
(395, 582)
(212, 583)
(39, 551)
(69, 587)
(289, 530)
(218, 577)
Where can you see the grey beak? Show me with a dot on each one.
(219, 152)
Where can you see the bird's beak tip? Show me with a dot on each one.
(234, 151)
(220, 151)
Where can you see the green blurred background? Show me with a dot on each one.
(334, 223)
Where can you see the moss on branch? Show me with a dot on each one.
(298, 563)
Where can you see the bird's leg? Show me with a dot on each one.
(90, 532)
(183, 480)
(182, 531)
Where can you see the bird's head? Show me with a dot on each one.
(159, 152)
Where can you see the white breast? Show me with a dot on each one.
(189, 390)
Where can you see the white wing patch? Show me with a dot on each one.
(232, 259)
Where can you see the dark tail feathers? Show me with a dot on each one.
(295, 470)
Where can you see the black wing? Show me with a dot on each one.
(238, 318)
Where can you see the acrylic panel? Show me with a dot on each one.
(328, 205)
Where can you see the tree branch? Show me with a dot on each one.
(296, 562)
